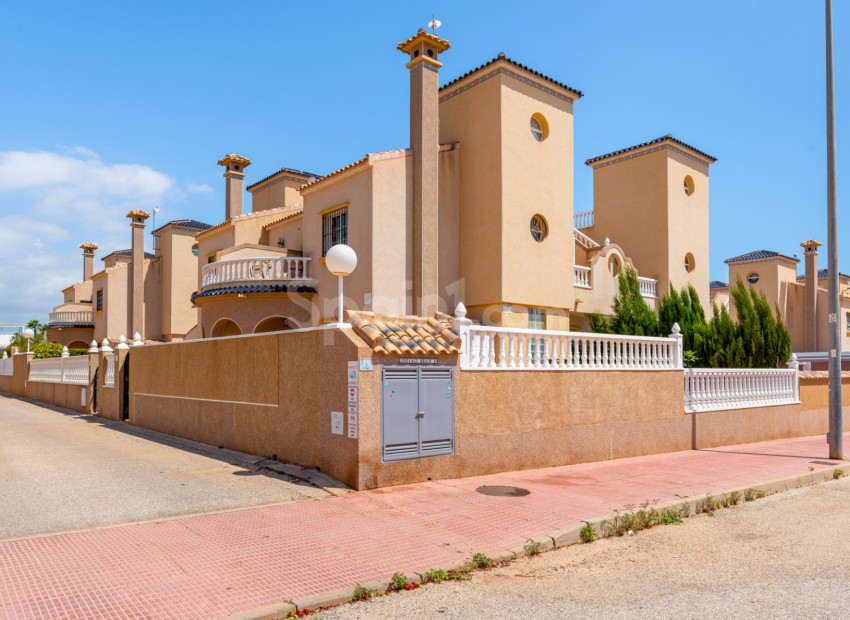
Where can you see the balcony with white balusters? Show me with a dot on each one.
(265, 270)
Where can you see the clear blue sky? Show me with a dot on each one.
(110, 106)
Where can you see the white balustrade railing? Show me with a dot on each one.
(584, 240)
(77, 317)
(255, 270)
(72, 370)
(581, 276)
(109, 379)
(6, 367)
(713, 389)
(648, 287)
(499, 348)
(583, 219)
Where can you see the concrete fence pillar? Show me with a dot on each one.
(460, 326)
(676, 333)
(21, 370)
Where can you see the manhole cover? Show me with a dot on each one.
(497, 491)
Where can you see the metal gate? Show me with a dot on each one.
(417, 412)
(94, 389)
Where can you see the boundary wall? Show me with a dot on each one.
(272, 395)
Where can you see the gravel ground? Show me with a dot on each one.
(784, 556)
(63, 471)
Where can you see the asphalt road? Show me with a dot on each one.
(784, 556)
(62, 471)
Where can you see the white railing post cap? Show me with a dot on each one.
(65, 352)
(460, 310)
(675, 329)
(104, 346)
(137, 340)
(93, 348)
(122, 343)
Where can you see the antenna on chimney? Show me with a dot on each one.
(434, 24)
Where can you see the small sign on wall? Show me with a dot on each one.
(365, 364)
(352, 395)
(352, 425)
(352, 374)
(336, 422)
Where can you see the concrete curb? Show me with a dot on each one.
(559, 538)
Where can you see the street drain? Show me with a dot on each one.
(497, 491)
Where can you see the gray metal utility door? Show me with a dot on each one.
(417, 412)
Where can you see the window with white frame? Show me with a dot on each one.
(334, 228)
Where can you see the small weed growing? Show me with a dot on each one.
(749, 495)
(735, 497)
(436, 575)
(363, 594)
(397, 582)
(480, 561)
(532, 547)
(669, 517)
(760, 494)
(587, 533)
(838, 473)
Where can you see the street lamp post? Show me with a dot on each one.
(341, 261)
(836, 439)
(28, 333)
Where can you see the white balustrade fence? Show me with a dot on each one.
(109, 379)
(581, 276)
(499, 348)
(6, 367)
(76, 317)
(583, 219)
(713, 389)
(255, 270)
(584, 240)
(648, 287)
(71, 370)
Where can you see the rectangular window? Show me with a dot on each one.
(99, 300)
(334, 228)
(848, 322)
(536, 320)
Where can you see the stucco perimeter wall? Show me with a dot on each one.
(269, 395)
(60, 395)
(514, 420)
(6, 382)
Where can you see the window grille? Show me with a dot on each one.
(99, 300)
(334, 228)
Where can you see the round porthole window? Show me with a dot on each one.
(753, 278)
(539, 127)
(539, 228)
(689, 262)
(689, 185)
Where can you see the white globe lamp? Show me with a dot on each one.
(341, 260)
(28, 334)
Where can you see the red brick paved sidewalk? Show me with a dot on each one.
(214, 565)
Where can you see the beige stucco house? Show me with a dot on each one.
(135, 292)
(801, 299)
(479, 209)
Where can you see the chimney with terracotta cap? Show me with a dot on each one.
(234, 174)
(810, 251)
(88, 260)
(424, 49)
(136, 284)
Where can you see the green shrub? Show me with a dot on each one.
(46, 350)
(587, 534)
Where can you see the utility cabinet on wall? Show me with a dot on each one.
(417, 412)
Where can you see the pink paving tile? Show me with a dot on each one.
(214, 565)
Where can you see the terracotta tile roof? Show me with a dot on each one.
(234, 158)
(502, 57)
(651, 142)
(405, 335)
(441, 44)
(758, 255)
(244, 216)
(285, 171)
(336, 172)
(296, 210)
